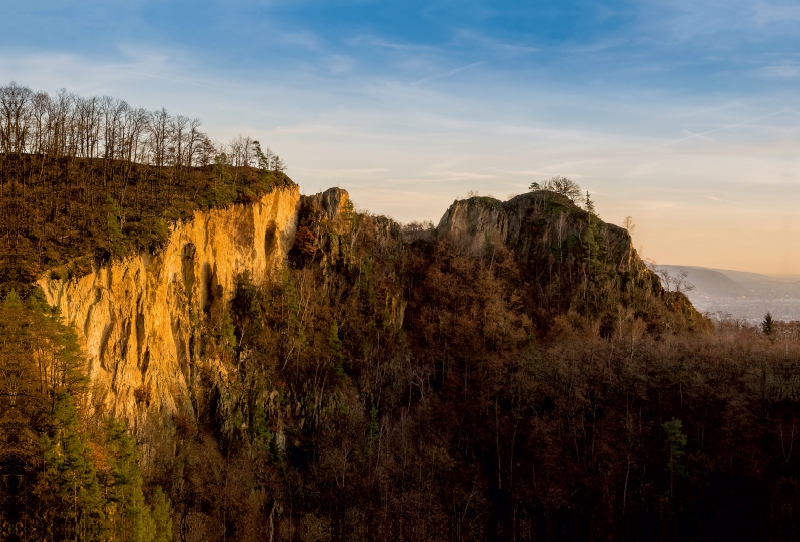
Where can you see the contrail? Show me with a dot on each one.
(741, 125)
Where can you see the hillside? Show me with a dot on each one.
(84, 180)
(184, 341)
(275, 366)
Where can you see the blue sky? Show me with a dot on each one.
(684, 114)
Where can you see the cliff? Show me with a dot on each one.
(140, 319)
(579, 263)
(535, 225)
(371, 354)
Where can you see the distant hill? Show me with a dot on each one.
(708, 282)
(740, 294)
(745, 277)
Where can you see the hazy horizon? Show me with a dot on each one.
(682, 114)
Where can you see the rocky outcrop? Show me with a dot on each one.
(476, 222)
(334, 202)
(139, 319)
(536, 226)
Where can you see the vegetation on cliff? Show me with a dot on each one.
(387, 391)
(516, 373)
(66, 476)
(84, 181)
(87, 179)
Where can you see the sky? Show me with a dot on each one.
(684, 114)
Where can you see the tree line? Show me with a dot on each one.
(387, 385)
(86, 179)
(67, 125)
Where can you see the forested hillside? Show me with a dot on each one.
(516, 373)
(85, 179)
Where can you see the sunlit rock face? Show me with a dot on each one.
(140, 319)
(334, 202)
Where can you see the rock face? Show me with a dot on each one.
(139, 318)
(477, 221)
(536, 226)
(334, 201)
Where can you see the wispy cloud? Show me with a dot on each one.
(780, 71)
(305, 39)
(663, 108)
(744, 124)
(691, 135)
(363, 171)
(484, 41)
(770, 12)
(375, 41)
(728, 201)
(338, 64)
(448, 73)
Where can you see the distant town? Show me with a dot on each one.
(724, 294)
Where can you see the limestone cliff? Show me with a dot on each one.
(536, 226)
(334, 202)
(139, 318)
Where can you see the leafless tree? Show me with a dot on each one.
(628, 224)
(65, 125)
(677, 283)
(561, 185)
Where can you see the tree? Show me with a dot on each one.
(70, 470)
(679, 283)
(768, 324)
(64, 157)
(560, 185)
(592, 233)
(268, 160)
(128, 509)
(675, 441)
(590, 205)
(161, 517)
(628, 224)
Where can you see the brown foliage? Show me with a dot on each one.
(482, 412)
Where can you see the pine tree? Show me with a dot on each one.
(675, 441)
(336, 350)
(70, 473)
(161, 517)
(130, 513)
(592, 234)
(768, 324)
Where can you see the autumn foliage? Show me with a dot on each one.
(388, 383)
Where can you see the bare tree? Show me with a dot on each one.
(681, 284)
(628, 224)
(560, 185)
(241, 151)
(677, 283)
(158, 128)
(13, 118)
(65, 125)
